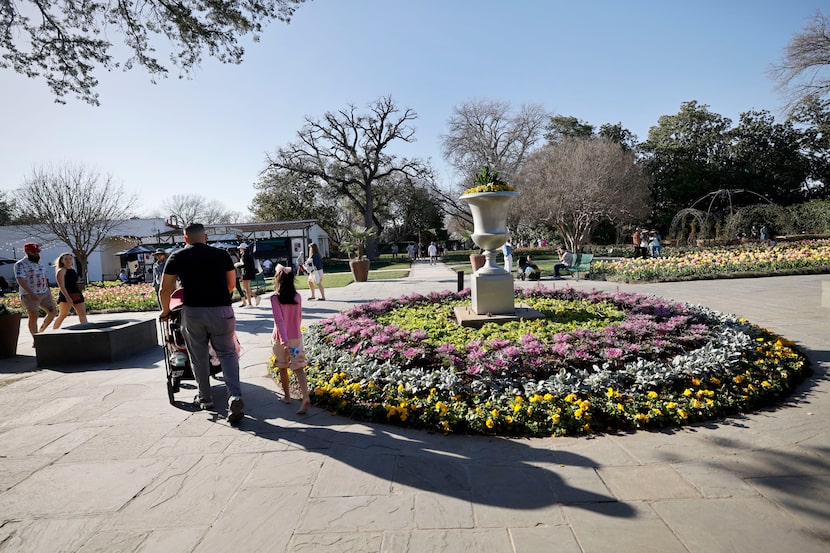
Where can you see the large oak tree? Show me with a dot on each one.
(349, 152)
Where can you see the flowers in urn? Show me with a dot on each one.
(488, 181)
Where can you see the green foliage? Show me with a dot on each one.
(811, 217)
(776, 218)
(686, 157)
(765, 157)
(489, 181)
(354, 241)
(812, 118)
(68, 43)
(561, 127)
(415, 210)
(286, 196)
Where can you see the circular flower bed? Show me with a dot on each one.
(597, 362)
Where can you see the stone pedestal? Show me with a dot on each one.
(492, 293)
(95, 342)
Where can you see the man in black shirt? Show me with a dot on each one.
(207, 276)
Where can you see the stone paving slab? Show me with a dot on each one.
(136, 474)
(745, 525)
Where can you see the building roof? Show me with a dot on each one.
(249, 228)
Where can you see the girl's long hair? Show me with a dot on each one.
(59, 261)
(284, 285)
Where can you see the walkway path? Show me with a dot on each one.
(94, 459)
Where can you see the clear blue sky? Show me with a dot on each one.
(603, 61)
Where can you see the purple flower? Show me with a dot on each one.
(445, 349)
(561, 349)
(511, 351)
(498, 343)
(381, 339)
(476, 355)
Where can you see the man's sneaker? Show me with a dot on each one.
(257, 299)
(203, 405)
(235, 406)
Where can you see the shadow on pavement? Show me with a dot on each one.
(489, 471)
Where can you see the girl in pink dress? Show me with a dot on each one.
(287, 338)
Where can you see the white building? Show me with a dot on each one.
(103, 263)
(279, 241)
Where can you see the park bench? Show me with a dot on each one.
(581, 264)
(258, 286)
(259, 283)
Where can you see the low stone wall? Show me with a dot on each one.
(98, 342)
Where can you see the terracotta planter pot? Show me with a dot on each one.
(360, 269)
(477, 261)
(9, 332)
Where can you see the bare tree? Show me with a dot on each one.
(76, 204)
(486, 133)
(68, 43)
(349, 152)
(574, 185)
(192, 208)
(803, 72)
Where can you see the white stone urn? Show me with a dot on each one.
(490, 232)
(491, 288)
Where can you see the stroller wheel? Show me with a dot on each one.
(170, 391)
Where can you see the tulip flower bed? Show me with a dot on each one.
(106, 297)
(737, 261)
(597, 362)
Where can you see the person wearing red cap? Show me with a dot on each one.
(34, 288)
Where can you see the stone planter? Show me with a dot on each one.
(489, 210)
(360, 269)
(9, 333)
(491, 287)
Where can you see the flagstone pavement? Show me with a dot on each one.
(95, 459)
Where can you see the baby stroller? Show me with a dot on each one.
(522, 271)
(176, 359)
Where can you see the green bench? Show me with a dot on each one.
(581, 264)
(258, 287)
